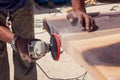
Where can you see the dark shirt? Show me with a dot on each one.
(11, 5)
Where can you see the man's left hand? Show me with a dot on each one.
(84, 20)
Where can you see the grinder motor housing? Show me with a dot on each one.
(38, 49)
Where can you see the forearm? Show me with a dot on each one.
(6, 35)
(78, 5)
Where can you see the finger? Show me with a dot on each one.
(92, 24)
(67, 16)
(70, 17)
(23, 57)
(73, 20)
(81, 23)
(29, 59)
(88, 24)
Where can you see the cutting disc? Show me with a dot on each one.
(55, 46)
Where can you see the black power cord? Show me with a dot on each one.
(76, 78)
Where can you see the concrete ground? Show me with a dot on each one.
(66, 68)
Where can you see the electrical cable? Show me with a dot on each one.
(76, 78)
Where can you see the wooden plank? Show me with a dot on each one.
(97, 51)
(61, 25)
(86, 35)
(99, 55)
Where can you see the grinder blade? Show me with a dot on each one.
(55, 46)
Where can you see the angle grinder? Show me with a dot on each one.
(38, 49)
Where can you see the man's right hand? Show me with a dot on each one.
(22, 46)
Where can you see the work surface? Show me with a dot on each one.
(97, 51)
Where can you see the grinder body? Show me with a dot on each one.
(37, 49)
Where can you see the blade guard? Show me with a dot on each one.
(55, 46)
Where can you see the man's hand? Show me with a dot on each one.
(82, 19)
(22, 46)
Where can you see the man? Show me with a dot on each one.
(79, 11)
(21, 16)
